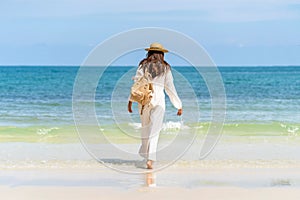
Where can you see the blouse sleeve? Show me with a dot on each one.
(171, 90)
(139, 74)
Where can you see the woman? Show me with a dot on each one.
(153, 113)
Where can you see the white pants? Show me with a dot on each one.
(152, 121)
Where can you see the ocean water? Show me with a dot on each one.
(36, 101)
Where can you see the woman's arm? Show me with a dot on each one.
(129, 106)
(172, 93)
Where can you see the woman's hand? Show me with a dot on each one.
(179, 112)
(129, 106)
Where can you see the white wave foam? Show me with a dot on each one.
(135, 125)
(172, 126)
(167, 126)
(292, 130)
(45, 131)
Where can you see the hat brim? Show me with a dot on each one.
(157, 49)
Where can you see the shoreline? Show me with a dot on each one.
(225, 164)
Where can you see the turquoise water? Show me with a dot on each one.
(37, 97)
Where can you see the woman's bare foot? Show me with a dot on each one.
(149, 164)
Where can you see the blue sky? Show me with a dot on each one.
(234, 32)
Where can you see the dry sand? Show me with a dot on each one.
(91, 193)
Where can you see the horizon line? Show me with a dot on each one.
(64, 65)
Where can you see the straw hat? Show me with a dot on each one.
(156, 47)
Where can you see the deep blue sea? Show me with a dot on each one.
(42, 95)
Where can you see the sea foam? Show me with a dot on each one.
(166, 127)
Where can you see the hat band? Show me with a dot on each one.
(156, 48)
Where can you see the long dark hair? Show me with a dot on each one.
(155, 63)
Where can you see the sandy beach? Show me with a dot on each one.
(175, 183)
(227, 193)
(252, 168)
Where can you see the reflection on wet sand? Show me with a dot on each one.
(150, 179)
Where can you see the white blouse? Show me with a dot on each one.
(161, 83)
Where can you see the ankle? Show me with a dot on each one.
(149, 164)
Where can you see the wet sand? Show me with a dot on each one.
(176, 182)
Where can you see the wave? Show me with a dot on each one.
(238, 129)
(68, 134)
(44, 131)
(167, 127)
